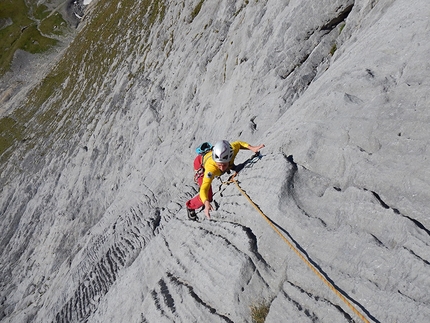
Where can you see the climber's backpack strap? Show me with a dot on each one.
(201, 151)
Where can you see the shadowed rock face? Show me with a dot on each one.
(93, 220)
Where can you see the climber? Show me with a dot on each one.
(214, 163)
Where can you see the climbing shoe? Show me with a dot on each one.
(192, 214)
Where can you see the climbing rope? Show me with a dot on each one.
(232, 179)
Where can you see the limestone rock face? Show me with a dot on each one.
(97, 166)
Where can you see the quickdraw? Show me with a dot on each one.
(198, 173)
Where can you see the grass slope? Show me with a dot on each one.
(59, 104)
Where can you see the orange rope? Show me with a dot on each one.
(316, 271)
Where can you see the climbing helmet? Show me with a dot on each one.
(222, 152)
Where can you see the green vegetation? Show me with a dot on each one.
(333, 49)
(53, 25)
(96, 52)
(260, 311)
(158, 10)
(39, 12)
(197, 10)
(10, 131)
(29, 30)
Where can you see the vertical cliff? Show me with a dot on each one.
(97, 165)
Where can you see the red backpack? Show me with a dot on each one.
(201, 151)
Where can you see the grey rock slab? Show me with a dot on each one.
(93, 222)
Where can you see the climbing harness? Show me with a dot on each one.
(233, 179)
(198, 172)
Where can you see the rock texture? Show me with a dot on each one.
(93, 221)
(28, 69)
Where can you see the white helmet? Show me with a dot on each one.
(222, 152)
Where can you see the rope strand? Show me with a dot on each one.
(232, 179)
